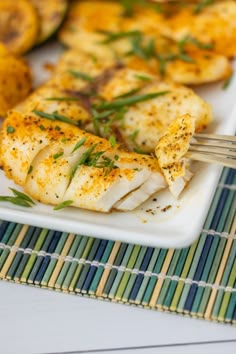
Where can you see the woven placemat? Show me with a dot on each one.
(199, 280)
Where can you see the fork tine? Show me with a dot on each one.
(220, 149)
(213, 149)
(227, 138)
(227, 162)
(210, 145)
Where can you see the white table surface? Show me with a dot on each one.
(39, 321)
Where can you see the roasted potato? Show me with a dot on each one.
(15, 82)
(19, 25)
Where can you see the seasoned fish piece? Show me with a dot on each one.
(170, 152)
(204, 66)
(56, 162)
(143, 40)
(146, 19)
(186, 61)
(215, 24)
(145, 122)
(47, 99)
(76, 76)
(138, 196)
(86, 19)
(22, 138)
(83, 61)
(125, 81)
(49, 175)
(91, 189)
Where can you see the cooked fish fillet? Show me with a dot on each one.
(142, 124)
(146, 19)
(185, 61)
(22, 138)
(67, 76)
(215, 24)
(55, 165)
(91, 63)
(138, 35)
(86, 19)
(205, 66)
(47, 99)
(56, 95)
(170, 152)
(145, 122)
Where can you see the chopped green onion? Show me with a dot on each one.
(30, 169)
(143, 77)
(134, 135)
(19, 198)
(56, 156)
(227, 82)
(22, 195)
(81, 75)
(54, 116)
(185, 57)
(128, 93)
(112, 141)
(130, 100)
(80, 143)
(201, 5)
(10, 129)
(114, 36)
(63, 205)
(83, 159)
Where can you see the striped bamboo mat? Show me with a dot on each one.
(199, 280)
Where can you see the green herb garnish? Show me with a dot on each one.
(19, 198)
(106, 114)
(81, 75)
(56, 156)
(42, 127)
(99, 118)
(134, 135)
(10, 129)
(95, 159)
(104, 162)
(80, 143)
(143, 77)
(128, 93)
(201, 5)
(54, 117)
(129, 5)
(63, 205)
(191, 40)
(130, 100)
(83, 159)
(185, 57)
(30, 169)
(133, 138)
(115, 36)
(227, 82)
(144, 51)
(112, 141)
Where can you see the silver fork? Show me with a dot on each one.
(211, 148)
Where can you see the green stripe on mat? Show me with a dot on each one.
(199, 280)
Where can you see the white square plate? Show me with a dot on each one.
(160, 222)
